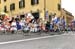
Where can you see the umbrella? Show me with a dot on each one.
(5, 15)
(30, 15)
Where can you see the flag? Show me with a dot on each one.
(63, 22)
(46, 15)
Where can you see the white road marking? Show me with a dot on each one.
(9, 42)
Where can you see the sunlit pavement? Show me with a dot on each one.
(12, 37)
(65, 41)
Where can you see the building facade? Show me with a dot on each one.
(68, 16)
(38, 8)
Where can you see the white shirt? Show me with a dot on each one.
(54, 18)
(13, 24)
(22, 23)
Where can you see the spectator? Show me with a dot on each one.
(13, 26)
(18, 23)
(48, 26)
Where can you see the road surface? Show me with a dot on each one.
(54, 42)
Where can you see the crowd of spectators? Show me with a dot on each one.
(30, 24)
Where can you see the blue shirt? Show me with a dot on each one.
(18, 26)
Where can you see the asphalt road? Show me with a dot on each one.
(56, 42)
(12, 37)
